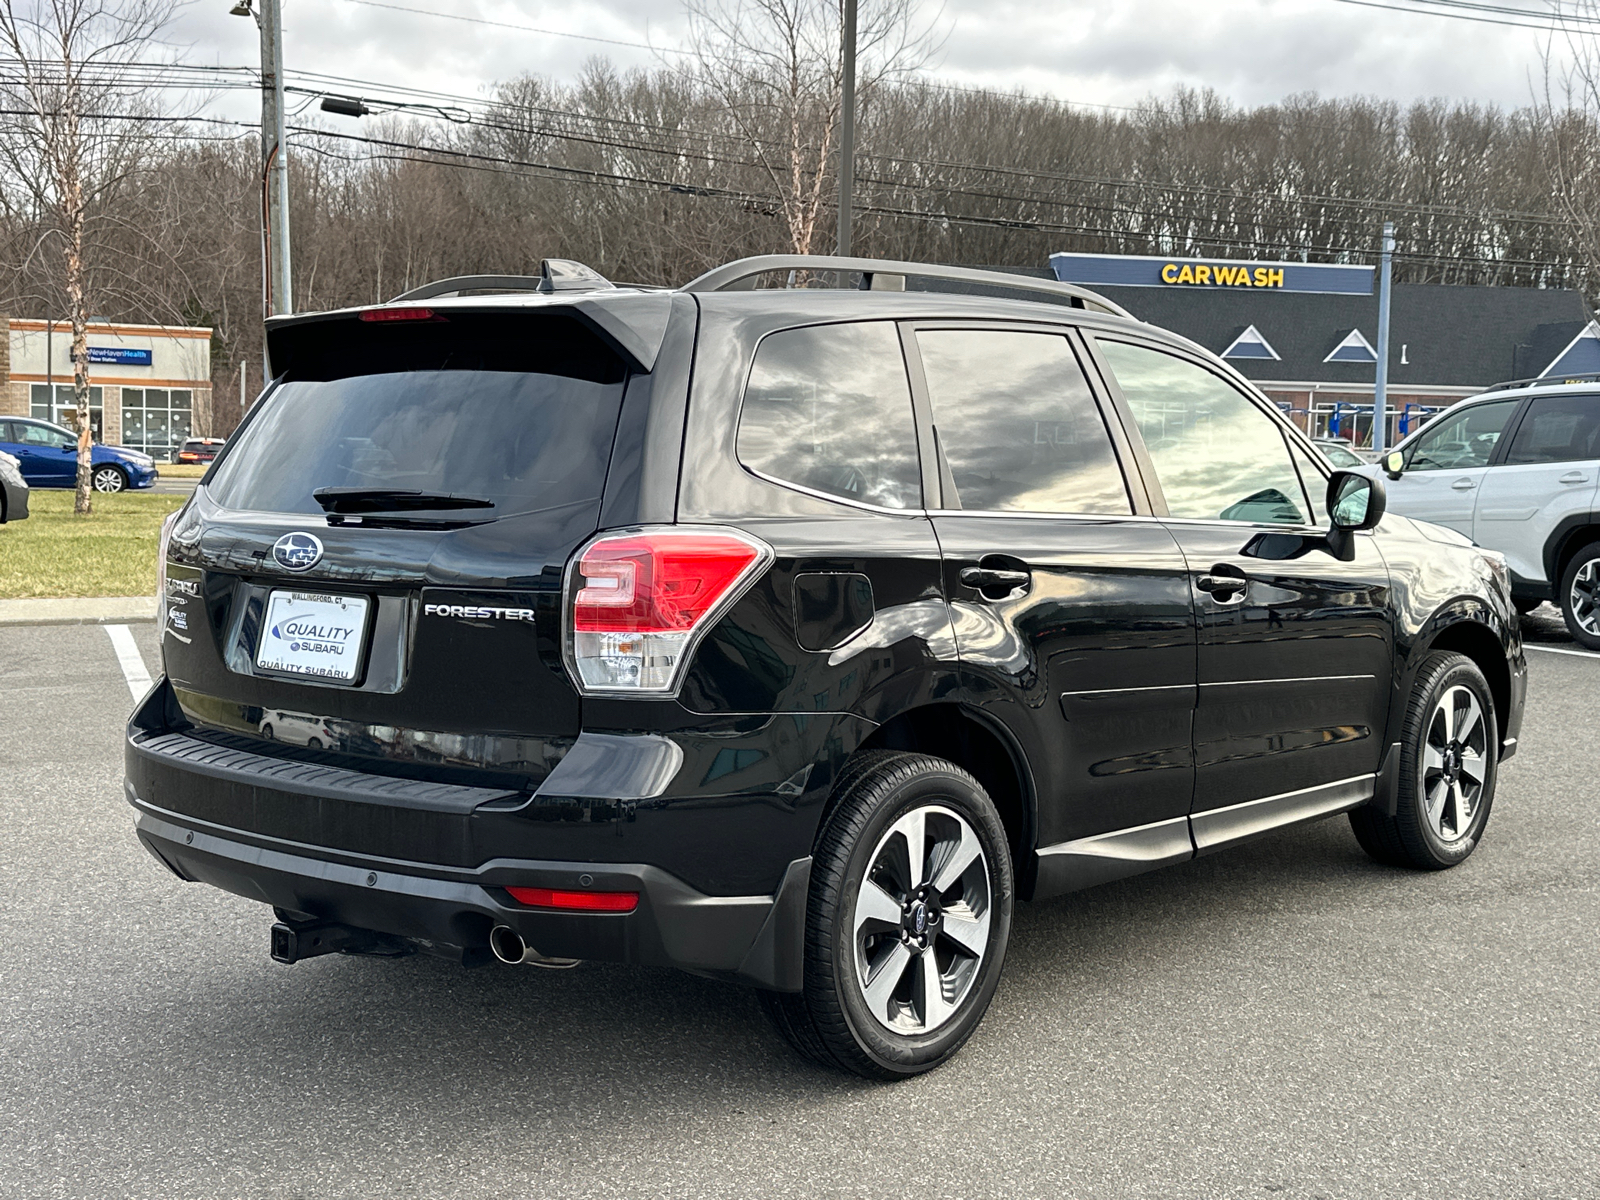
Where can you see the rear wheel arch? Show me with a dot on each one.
(962, 736)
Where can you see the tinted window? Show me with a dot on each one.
(523, 439)
(1464, 439)
(5, 432)
(1018, 425)
(829, 408)
(1216, 454)
(1558, 429)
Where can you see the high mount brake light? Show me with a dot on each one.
(638, 601)
(398, 314)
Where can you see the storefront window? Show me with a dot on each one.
(65, 410)
(156, 420)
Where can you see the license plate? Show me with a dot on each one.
(309, 633)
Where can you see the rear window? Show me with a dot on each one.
(520, 411)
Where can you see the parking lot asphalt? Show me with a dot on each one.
(1285, 1019)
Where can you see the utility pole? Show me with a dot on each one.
(847, 134)
(1380, 385)
(276, 294)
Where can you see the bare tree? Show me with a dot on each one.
(1567, 111)
(76, 126)
(778, 68)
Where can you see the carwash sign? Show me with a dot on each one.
(1144, 270)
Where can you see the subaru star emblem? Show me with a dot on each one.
(297, 551)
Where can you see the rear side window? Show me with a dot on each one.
(1018, 425)
(520, 414)
(1217, 455)
(829, 408)
(1558, 429)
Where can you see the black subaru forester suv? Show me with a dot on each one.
(787, 635)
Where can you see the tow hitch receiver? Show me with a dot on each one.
(294, 940)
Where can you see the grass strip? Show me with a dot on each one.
(111, 552)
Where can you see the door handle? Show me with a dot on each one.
(985, 578)
(1574, 477)
(1463, 485)
(1224, 583)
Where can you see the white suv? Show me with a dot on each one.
(1516, 470)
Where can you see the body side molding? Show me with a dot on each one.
(1220, 827)
(1085, 862)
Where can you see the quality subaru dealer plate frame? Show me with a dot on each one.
(314, 634)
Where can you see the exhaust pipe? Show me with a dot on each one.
(507, 945)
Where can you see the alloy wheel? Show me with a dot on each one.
(108, 479)
(1454, 763)
(1584, 597)
(921, 920)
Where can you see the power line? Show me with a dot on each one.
(1483, 14)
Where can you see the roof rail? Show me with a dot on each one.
(1545, 380)
(555, 275)
(887, 275)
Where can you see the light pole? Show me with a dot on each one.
(847, 133)
(1380, 382)
(276, 294)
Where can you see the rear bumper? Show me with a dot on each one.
(745, 939)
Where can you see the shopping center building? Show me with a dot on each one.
(1306, 334)
(150, 385)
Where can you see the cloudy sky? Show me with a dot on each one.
(1112, 52)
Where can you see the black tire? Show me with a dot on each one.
(865, 844)
(108, 479)
(266, 731)
(314, 744)
(1579, 596)
(1434, 837)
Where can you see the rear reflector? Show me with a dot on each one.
(638, 601)
(581, 901)
(397, 314)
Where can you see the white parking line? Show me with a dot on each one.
(129, 660)
(1559, 650)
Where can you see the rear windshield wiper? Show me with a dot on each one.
(389, 500)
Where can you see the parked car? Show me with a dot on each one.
(1516, 470)
(1340, 454)
(200, 450)
(13, 490)
(789, 636)
(296, 729)
(49, 457)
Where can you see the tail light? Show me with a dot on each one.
(163, 544)
(638, 602)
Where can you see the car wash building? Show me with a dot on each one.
(1305, 333)
(147, 383)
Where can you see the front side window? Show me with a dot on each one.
(1217, 455)
(1558, 429)
(1018, 425)
(1466, 439)
(829, 408)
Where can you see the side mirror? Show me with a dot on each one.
(1393, 463)
(1355, 502)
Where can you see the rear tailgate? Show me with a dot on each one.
(415, 629)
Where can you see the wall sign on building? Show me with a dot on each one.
(1143, 270)
(120, 356)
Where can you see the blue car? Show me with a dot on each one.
(49, 457)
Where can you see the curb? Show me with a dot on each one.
(101, 610)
